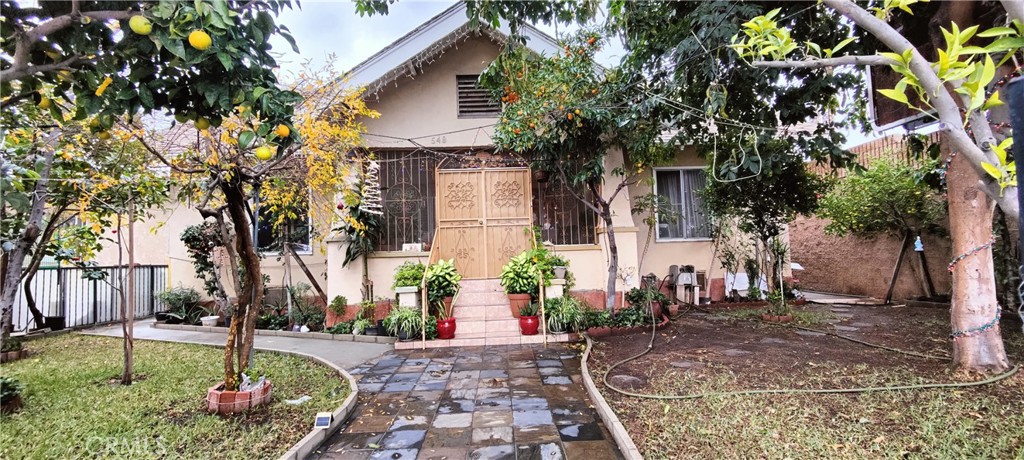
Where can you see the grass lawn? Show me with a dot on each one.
(73, 410)
(696, 355)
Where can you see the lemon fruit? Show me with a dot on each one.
(103, 135)
(202, 123)
(199, 40)
(45, 103)
(282, 131)
(140, 25)
(181, 117)
(264, 153)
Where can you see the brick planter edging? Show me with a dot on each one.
(611, 421)
(298, 335)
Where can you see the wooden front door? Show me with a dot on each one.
(483, 218)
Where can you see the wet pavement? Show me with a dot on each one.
(501, 403)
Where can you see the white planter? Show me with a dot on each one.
(559, 272)
(408, 296)
(210, 320)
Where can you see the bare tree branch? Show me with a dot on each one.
(827, 62)
(16, 73)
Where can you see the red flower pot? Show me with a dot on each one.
(446, 329)
(528, 325)
(515, 301)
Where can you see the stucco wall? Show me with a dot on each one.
(425, 107)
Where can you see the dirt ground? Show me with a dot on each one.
(727, 350)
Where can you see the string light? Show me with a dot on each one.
(972, 252)
(976, 331)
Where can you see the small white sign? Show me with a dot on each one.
(412, 247)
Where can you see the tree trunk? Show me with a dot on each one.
(896, 269)
(243, 326)
(16, 257)
(128, 319)
(977, 343)
(37, 259)
(613, 253)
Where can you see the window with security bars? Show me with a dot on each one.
(474, 101)
(407, 196)
(562, 218)
(680, 188)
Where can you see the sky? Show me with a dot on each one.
(322, 27)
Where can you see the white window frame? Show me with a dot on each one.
(654, 189)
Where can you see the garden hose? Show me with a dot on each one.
(650, 346)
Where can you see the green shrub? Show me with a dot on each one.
(338, 305)
(564, 313)
(597, 318)
(343, 327)
(272, 322)
(519, 275)
(184, 304)
(9, 389)
(633, 316)
(12, 344)
(529, 309)
(442, 280)
(408, 320)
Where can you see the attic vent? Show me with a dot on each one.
(474, 101)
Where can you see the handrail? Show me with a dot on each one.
(540, 294)
(424, 303)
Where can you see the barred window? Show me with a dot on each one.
(562, 218)
(407, 195)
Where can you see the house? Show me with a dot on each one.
(444, 188)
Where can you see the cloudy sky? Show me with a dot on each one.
(322, 27)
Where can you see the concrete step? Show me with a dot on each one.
(489, 312)
(485, 285)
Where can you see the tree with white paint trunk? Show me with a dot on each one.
(955, 88)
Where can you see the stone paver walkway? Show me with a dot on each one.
(497, 402)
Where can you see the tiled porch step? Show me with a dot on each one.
(489, 326)
(462, 341)
(471, 299)
(489, 285)
(489, 312)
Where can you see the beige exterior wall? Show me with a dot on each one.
(420, 107)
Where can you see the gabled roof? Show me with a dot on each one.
(408, 54)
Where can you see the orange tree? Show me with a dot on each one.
(227, 167)
(573, 119)
(198, 61)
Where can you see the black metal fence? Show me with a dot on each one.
(63, 292)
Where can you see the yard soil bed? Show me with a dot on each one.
(701, 352)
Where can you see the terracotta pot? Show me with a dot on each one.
(776, 318)
(528, 325)
(673, 309)
(716, 289)
(516, 301)
(656, 309)
(446, 329)
(220, 401)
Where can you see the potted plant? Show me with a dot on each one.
(442, 282)
(404, 322)
(183, 305)
(519, 278)
(559, 265)
(407, 283)
(528, 322)
(445, 322)
(10, 395)
(564, 314)
(359, 326)
(367, 313)
(648, 298)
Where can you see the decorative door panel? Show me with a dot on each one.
(483, 217)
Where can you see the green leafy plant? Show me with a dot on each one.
(643, 297)
(519, 275)
(442, 280)
(343, 327)
(10, 388)
(409, 274)
(338, 305)
(200, 241)
(272, 322)
(597, 318)
(407, 320)
(633, 316)
(753, 271)
(529, 309)
(359, 326)
(564, 313)
(304, 311)
(183, 304)
(776, 303)
(367, 310)
(12, 344)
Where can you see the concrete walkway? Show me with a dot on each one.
(478, 403)
(345, 355)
